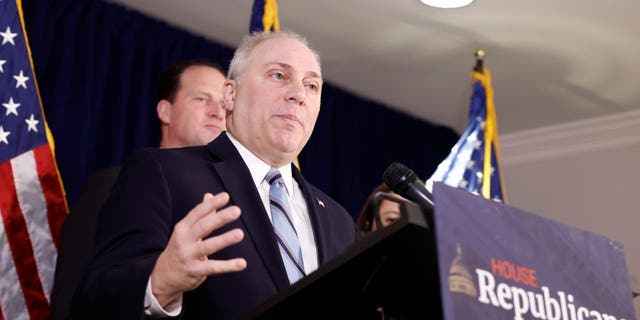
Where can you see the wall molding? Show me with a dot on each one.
(571, 138)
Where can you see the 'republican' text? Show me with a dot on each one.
(540, 305)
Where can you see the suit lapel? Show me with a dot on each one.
(317, 215)
(237, 180)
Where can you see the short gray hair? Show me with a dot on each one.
(244, 50)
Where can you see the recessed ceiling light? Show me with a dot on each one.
(447, 4)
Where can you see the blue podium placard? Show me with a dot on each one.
(500, 262)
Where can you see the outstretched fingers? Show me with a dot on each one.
(214, 220)
(210, 203)
(219, 242)
(209, 267)
(184, 263)
(213, 267)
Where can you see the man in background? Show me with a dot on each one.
(190, 112)
(190, 104)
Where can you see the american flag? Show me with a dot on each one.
(32, 202)
(473, 162)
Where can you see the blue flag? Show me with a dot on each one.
(473, 162)
(264, 16)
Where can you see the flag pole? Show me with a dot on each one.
(480, 54)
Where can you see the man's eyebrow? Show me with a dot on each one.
(208, 94)
(313, 74)
(283, 65)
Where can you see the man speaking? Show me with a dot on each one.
(212, 231)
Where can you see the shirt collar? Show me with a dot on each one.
(259, 168)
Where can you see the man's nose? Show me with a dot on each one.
(215, 109)
(296, 92)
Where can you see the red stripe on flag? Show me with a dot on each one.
(21, 248)
(50, 182)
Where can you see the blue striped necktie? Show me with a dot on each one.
(283, 227)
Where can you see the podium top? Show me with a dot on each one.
(383, 269)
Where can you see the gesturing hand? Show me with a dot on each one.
(183, 265)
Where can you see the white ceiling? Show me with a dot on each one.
(552, 61)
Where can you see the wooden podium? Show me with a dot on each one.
(393, 270)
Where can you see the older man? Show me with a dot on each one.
(173, 240)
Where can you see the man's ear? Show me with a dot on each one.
(164, 112)
(229, 91)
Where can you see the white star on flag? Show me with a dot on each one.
(8, 36)
(472, 137)
(4, 135)
(31, 123)
(11, 106)
(21, 80)
(2, 62)
(470, 164)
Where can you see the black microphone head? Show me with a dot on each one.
(398, 177)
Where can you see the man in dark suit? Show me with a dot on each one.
(189, 231)
(190, 111)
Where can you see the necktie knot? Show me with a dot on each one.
(274, 176)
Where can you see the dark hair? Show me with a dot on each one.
(365, 220)
(169, 81)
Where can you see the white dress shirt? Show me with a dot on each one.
(299, 211)
(299, 217)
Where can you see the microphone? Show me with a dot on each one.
(404, 182)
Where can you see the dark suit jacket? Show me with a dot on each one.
(76, 239)
(155, 190)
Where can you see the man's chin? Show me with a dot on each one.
(211, 135)
(290, 149)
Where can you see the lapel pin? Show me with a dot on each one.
(320, 202)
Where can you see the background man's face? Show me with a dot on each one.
(196, 115)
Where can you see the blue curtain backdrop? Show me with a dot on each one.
(97, 65)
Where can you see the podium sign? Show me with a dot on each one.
(499, 262)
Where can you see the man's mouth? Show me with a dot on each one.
(289, 117)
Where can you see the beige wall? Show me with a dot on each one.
(585, 174)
